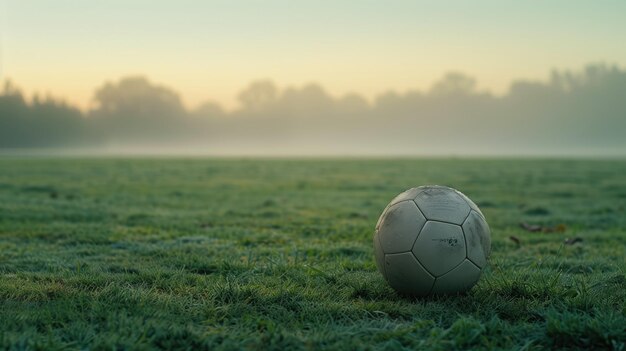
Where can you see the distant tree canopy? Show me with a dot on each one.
(136, 97)
(40, 123)
(454, 83)
(136, 111)
(568, 113)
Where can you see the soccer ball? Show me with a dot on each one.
(431, 240)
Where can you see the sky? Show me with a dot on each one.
(210, 50)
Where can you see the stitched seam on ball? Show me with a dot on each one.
(422, 228)
(474, 263)
(446, 222)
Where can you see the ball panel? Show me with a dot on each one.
(400, 227)
(471, 203)
(406, 275)
(380, 219)
(380, 256)
(408, 194)
(440, 247)
(461, 278)
(478, 239)
(442, 204)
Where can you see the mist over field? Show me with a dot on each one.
(579, 112)
(224, 175)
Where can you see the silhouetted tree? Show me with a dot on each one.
(136, 111)
(43, 123)
(573, 111)
(454, 83)
(258, 96)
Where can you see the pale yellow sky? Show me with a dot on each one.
(210, 50)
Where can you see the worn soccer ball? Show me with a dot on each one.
(431, 240)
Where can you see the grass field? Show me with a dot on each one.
(277, 254)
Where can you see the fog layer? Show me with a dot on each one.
(571, 113)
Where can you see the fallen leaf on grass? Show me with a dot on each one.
(530, 228)
(559, 228)
(572, 241)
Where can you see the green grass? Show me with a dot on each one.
(277, 254)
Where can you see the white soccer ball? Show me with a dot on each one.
(431, 240)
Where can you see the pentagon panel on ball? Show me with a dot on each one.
(471, 203)
(403, 196)
(407, 275)
(478, 238)
(443, 204)
(431, 240)
(400, 226)
(440, 247)
(461, 278)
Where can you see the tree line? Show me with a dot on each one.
(570, 112)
